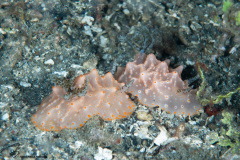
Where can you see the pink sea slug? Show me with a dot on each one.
(147, 78)
(104, 97)
(156, 85)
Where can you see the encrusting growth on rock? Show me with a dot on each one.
(152, 82)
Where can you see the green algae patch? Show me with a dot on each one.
(231, 133)
(218, 99)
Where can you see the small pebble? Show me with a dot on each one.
(126, 11)
(5, 117)
(142, 115)
(88, 20)
(78, 144)
(25, 84)
(49, 62)
(103, 154)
